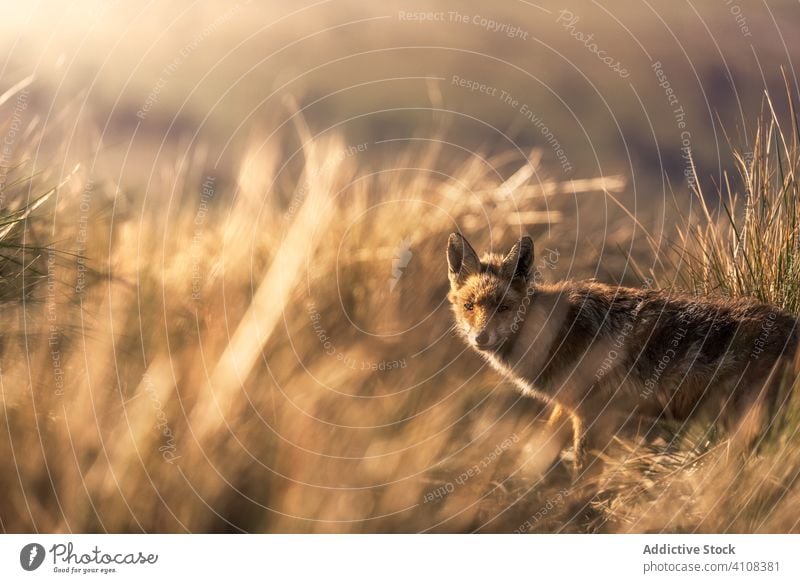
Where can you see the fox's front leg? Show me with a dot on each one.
(555, 416)
(578, 434)
(578, 444)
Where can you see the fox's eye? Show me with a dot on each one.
(502, 308)
(468, 306)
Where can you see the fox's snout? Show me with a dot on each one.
(482, 338)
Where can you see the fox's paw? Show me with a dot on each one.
(575, 462)
(575, 457)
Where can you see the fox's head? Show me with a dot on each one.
(486, 295)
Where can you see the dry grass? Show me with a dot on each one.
(749, 247)
(273, 352)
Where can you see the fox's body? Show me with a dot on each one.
(607, 355)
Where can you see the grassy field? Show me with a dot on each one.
(246, 329)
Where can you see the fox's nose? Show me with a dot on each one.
(482, 338)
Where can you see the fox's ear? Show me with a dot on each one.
(462, 260)
(519, 260)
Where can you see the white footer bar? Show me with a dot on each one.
(401, 558)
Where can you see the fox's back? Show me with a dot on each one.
(671, 350)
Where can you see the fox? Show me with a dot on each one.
(604, 357)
